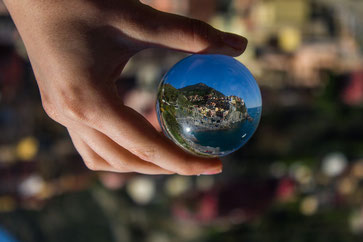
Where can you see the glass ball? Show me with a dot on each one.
(209, 105)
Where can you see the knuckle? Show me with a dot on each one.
(73, 110)
(73, 103)
(200, 31)
(91, 165)
(66, 102)
(147, 153)
(50, 109)
(120, 165)
(187, 169)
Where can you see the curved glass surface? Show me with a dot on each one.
(210, 105)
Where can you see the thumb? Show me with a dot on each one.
(176, 32)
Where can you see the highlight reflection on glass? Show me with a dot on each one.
(210, 105)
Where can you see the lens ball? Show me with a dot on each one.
(209, 105)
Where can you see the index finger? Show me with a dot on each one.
(133, 132)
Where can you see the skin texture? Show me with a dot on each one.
(78, 49)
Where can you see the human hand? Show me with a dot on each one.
(78, 49)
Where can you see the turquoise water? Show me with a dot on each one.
(228, 140)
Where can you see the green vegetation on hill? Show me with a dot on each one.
(200, 89)
(168, 97)
(169, 93)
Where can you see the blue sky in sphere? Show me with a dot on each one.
(223, 73)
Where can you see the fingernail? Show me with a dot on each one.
(212, 172)
(235, 41)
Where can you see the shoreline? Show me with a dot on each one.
(190, 122)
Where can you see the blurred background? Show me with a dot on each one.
(300, 177)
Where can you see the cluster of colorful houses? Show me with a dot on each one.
(215, 106)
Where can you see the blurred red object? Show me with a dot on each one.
(285, 189)
(353, 93)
